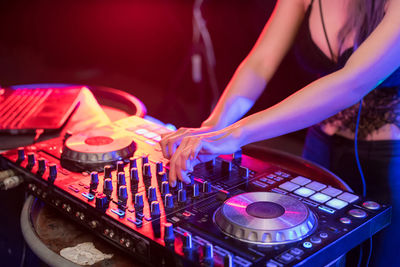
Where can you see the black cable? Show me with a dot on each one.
(326, 34)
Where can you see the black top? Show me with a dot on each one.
(381, 106)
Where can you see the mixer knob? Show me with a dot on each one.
(226, 167)
(169, 233)
(147, 170)
(94, 180)
(108, 187)
(101, 202)
(187, 241)
(169, 201)
(139, 201)
(228, 260)
(151, 194)
(132, 163)
(107, 171)
(208, 254)
(42, 165)
(122, 193)
(182, 196)
(31, 159)
(206, 187)
(195, 190)
(121, 179)
(120, 166)
(134, 173)
(159, 167)
(155, 209)
(52, 172)
(179, 185)
(237, 156)
(21, 154)
(162, 176)
(145, 159)
(164, 188)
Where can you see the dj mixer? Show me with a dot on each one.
(237, 211)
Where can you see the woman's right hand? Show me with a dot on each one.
(170, 141)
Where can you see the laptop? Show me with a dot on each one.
(25, 110)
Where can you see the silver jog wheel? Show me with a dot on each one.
(265, 218)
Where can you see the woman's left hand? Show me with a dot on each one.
(201, 148)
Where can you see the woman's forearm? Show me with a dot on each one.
(245, 87)
(314, 103)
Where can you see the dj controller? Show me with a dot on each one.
(237, 211)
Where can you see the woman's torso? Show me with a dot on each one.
(376, 124)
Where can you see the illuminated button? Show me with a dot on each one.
(285, 175)
(316, 239)
(326, 209)
(150, 142)
(300, 180)
(323, 235)
(345, 220)
(304, 192)
(271, 176)
(272, 263)
(289, 186)
(266, 180)
(357, 213)
(296, 251)
(286, 257)
(307, 244)
(141, 131)
(88, 196)
(331, 191)
(259, 184)
(316, 186)
(157, 138)
(150, 135)
(336, 203)
(347, 197)
(371, 205)
(320, 198)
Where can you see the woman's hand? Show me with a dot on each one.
(170, 141)
(201, 148)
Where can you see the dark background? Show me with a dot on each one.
(142, 47)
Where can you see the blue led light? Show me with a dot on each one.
(326, 209)
(88, 196)
(119, 212)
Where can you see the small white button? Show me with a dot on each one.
(316, 186)
(320, 198)
(157, 138)
(348, 197)
(289, 186)
(141, 131)
(336, 203)
(150, 135)
(304, 192)
(300, 180)
(331, 191)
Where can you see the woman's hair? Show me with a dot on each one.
(363, 17)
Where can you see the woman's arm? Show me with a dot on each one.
(372, 62)
(252, 75)
(257, 69)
